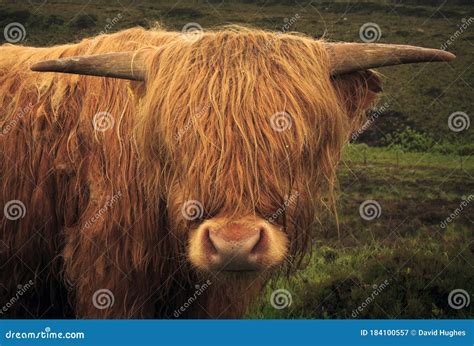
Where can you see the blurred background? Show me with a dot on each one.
(404, 245)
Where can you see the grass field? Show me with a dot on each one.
(406, 245)
(416, 186)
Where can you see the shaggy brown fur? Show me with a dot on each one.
(103, 209)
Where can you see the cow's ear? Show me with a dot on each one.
(357, 91)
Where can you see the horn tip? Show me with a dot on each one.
(42, 66)
(447, 56)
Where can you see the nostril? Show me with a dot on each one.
(208, 244)
(262, 242)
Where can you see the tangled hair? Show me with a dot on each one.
(239, 119)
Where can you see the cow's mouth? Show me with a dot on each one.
(240, 271)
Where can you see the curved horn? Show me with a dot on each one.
(125, 65)
(351, 57)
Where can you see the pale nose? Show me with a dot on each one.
(235, 248)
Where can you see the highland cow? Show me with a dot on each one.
(160, 165)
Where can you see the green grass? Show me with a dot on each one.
(362, 154)
(406, 245)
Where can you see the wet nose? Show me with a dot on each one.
(249, 243)
(235, 247)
